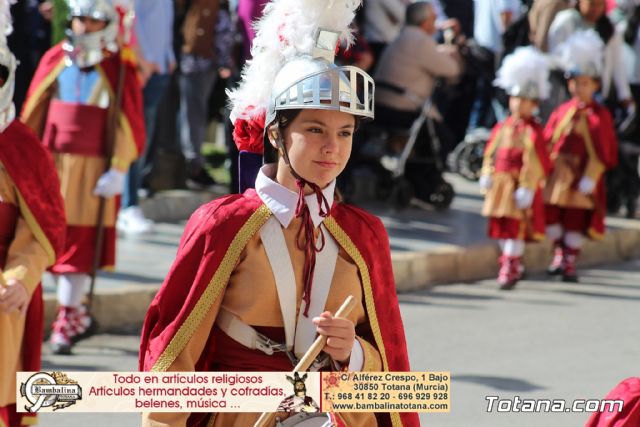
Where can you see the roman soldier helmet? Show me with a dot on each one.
(86, 50)
(293, 68)
(7, 67)
(525, 74)
(582, 54)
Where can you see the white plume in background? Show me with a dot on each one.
(525, 67)
(6, 25)
(286, 30)
(582, 52)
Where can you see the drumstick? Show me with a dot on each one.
(266, 419)
(3, 283)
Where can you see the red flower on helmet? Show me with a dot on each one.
(248, 133)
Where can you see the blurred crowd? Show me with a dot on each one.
(189, 51)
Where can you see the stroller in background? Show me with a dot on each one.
(466, 158)
(398, 165)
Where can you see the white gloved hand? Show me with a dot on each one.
(485, 182)
(586, 185)
(110, 184)
(524, 198)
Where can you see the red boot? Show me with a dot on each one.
(71, 325)
(557, 265)
(570, 257)
(510, 271)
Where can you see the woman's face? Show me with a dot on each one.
(592, 10)
(319, 145)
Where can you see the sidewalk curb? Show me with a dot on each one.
(422, 270)
(114, 309)
(177, 205)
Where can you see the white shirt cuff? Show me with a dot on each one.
(356, 361)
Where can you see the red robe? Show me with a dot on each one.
(601, 139)
(627, 391)
(515, 156)
(219, 231)
(43, 114)
(32, 171)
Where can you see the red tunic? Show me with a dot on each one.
(74, 131)
(213, 234)
(515, 157)
(582, 142)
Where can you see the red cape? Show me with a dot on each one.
(536, 230)
(605, 143)
(132, 107)
(219, 231)
(627, 391)
(32, 171)
(34, 175)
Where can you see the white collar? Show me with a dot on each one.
(282, 202)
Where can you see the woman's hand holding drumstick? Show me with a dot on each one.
(329, 324)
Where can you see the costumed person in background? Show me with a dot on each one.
(69, 104)
(628, 414)
(516, 163)
(582, 141)
(32, 230)
(258, 275)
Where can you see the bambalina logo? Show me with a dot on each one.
(55, 389)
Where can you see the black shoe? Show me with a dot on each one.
(91, 330)
(555, 271)
(200, 181)
(60, 349)
(570, 278)
(508, 285)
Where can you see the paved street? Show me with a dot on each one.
(544, 340)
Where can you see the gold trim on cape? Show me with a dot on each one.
(212, 291)
(46, 82)
(347, 244)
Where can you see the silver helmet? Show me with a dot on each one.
(7, 83)
(315, 82)
(86, 50)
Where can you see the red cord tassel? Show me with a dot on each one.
(306, 239)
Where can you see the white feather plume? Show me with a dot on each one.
(525, 66)
(583, 52)
(286, 30)
(6, 25)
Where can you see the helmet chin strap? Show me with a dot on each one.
(306, 239)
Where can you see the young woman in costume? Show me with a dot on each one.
(259, 275)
